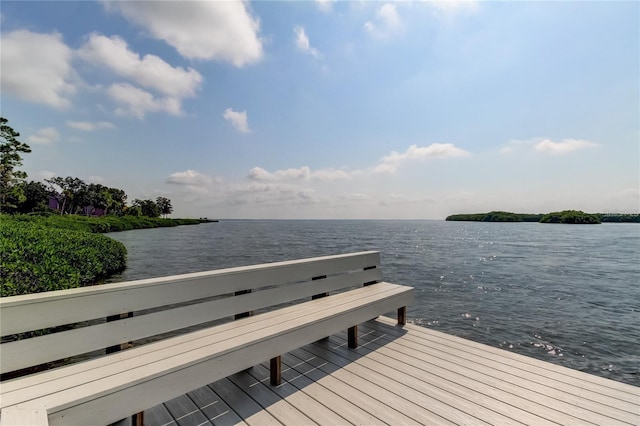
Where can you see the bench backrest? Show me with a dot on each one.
(163, 305)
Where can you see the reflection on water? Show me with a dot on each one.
(568, 294)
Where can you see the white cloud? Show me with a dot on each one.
(208, 30)
(302, 173)
(331, 175)
(189, 177)
(391, 162)
(448, 8)
(386, 23)
(545, 146)
(548, 146)
(36, 68)
(302, 42)
(138, 102)
(45, 136)
(149, 71)
(237, 119)
(89, 126)
(258, 173)
(325, 5)
(271, 194)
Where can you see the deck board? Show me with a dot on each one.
(410, 375)
(582, 403)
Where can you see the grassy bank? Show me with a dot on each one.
(44, 253)
(101, 224)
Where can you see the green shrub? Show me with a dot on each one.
(47, 252)
(37, 256)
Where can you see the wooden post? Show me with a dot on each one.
(352, 335)
(275, 368)
(122, 346)
(242, 314)
(319, 295)
(138, 419)
(402, 315)
(370, 282)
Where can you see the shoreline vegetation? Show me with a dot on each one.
(565, 217)
(50, 234)
(56, 252)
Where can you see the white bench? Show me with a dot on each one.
(108, 388)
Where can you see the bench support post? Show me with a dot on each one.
(242, 314)
(402, 315)
(275, 367)
(319, 295)
(138, 419)
(352, 335)
(122, 346)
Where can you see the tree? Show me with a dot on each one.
(36, 197)
(117, 204)
(149, 208)
(10, 149)
(144, 208)
(164, 204)
(70, 193)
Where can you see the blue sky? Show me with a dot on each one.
(308, 109)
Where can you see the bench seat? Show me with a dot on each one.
(106, 389)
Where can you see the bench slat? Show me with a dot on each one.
(175, 351)
(177, 372)
(50, 309)
(227, 330)
(52, 347)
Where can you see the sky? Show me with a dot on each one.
(331, 109)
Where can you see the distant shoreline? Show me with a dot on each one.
(564, 217)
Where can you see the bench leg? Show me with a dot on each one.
(352, 335)
(402, 315)
(275, 367)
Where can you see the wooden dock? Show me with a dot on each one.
(405, 376)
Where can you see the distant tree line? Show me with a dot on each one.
(496, 216)
(72, 195)
(565, 216)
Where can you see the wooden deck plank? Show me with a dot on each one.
(451, 400)
(585, 401)
(159, 415)
(214, 407)
(390, 393)
(398, 374)
(298, 398)
(185, 412)
(545, 382)
(245, 407)
(353, 391)
(281, 409)
(568, 375)
(491, 379)
(509, 393)
(344, 399)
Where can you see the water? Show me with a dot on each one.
(567, 294)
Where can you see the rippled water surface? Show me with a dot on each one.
(568, 294)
